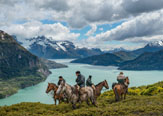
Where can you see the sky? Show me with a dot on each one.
(104, 24)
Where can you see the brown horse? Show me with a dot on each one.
(54, 87)
(121, 89)
(100, 86)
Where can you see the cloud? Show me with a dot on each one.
(58, 5)
(143, 26)
(92, 30)
(77, 13)
(140, 6)
(101, 29)
(31, 29)
(143, 19)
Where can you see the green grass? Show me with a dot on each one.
(141, 101)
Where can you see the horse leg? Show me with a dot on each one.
(121, 96)
(117, 94)
(55, 101)
(59, 100)
(74, 104)
(93, 101)
(88, 102)
(125, 96)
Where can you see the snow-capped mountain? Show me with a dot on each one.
(49, 48)
(156, 44)
(150, 47)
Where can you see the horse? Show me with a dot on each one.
(99, 87)
(72, 92)
(54, 87)
(121, 89)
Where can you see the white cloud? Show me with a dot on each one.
(92, 30)
(77, 13)
(101, 29)
(143, 26)
(31, 29)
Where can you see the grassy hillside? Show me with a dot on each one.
(142, 101)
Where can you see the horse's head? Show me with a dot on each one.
(106, 84)
(127, 82)
(51, 86)
(61, 87)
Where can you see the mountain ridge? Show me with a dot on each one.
(48, 48)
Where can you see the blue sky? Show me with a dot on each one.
(84, 30)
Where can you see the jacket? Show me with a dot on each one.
(89, 82)
(80, 80)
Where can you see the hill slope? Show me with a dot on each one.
(141, 101)
(52, 64)
(146, 61)
(18, 67)
(104, 59)
(125, 55)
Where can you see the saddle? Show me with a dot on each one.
(76, 89)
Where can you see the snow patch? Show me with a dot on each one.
(157, 43)
(60, 45)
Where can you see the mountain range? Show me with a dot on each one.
(140, 59)
(48, 48)
(104, 59)
(146, 61)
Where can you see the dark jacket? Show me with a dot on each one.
(80, 81)
(59, 82)
(89, 82)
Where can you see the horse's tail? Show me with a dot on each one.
(116, 94)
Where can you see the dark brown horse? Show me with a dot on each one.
(100, 86)
(121, 89)
(54, 87)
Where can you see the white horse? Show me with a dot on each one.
(74, 95)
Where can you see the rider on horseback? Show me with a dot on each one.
(60, 80)
(90, 84)
(121, 78)
(80, 79)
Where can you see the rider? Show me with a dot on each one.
(60, 80)
(80, 80)
(121, 78)
(90, 84)
(89, 81)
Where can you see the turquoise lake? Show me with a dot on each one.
(99, 73)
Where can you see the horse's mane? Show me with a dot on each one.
(53, 84)
(99, 84)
